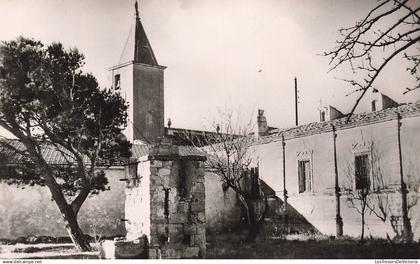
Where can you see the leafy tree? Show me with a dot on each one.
(389, 30)
(232, 158)
(49, 104)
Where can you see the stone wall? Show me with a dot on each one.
(29, 211)
(167, 204)
(223, 209)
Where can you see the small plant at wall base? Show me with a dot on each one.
(231, 156)
(51, 106)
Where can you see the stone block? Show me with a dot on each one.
(153, 171)
(153, 254)
(182, 207)
(192, 240)
(178, 218)
(156, 164)
(125, 249)
(200, 240)
(155, 181)
(175, 234)
(190, 229)
(191, 252)
(167, 164)
(164, 172)
(198, 187)
(199, 196)
(153, 237)
(156, 212)
(161, 228)
(197, 207)
(201, 217)
(170, 253)
(201, 228)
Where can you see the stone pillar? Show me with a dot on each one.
(172, 215)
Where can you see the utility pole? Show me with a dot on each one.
(286, 217)
(407, 231)
(296, 102)
(338, 219)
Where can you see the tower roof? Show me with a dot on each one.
(137, 47)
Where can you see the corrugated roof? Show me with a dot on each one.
(139, 151)
(54, 156)
(51, 154)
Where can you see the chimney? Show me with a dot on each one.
(262, 124)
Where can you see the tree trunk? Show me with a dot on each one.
(80, 241)
(68, 212)
(362, 236)
(251, 217)
(252, 222)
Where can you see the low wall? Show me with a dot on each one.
(29, 211)
(319, 210)
(223, 210)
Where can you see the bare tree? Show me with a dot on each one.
(357, 195)
(389, 30)
(376, 197)
(230, 155)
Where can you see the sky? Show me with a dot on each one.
(241, 54)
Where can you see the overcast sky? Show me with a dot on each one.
(243, 53)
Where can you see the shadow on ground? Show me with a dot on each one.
(229, 246)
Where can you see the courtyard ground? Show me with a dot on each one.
(230, 246)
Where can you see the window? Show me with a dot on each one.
(117, 82)
(254, 181)
(304, 173)
(322, 116)
(362, 171)
(374, 105)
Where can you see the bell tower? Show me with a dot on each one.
(140, 79)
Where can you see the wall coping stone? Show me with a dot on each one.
(166, 152)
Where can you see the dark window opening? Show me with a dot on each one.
(304, 173)
(166, 203)
(322, 116)
(374, 105)
(183, 185)
(117, 82)
(362, 169)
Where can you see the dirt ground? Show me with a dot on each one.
(230, 246)
(44, 251)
